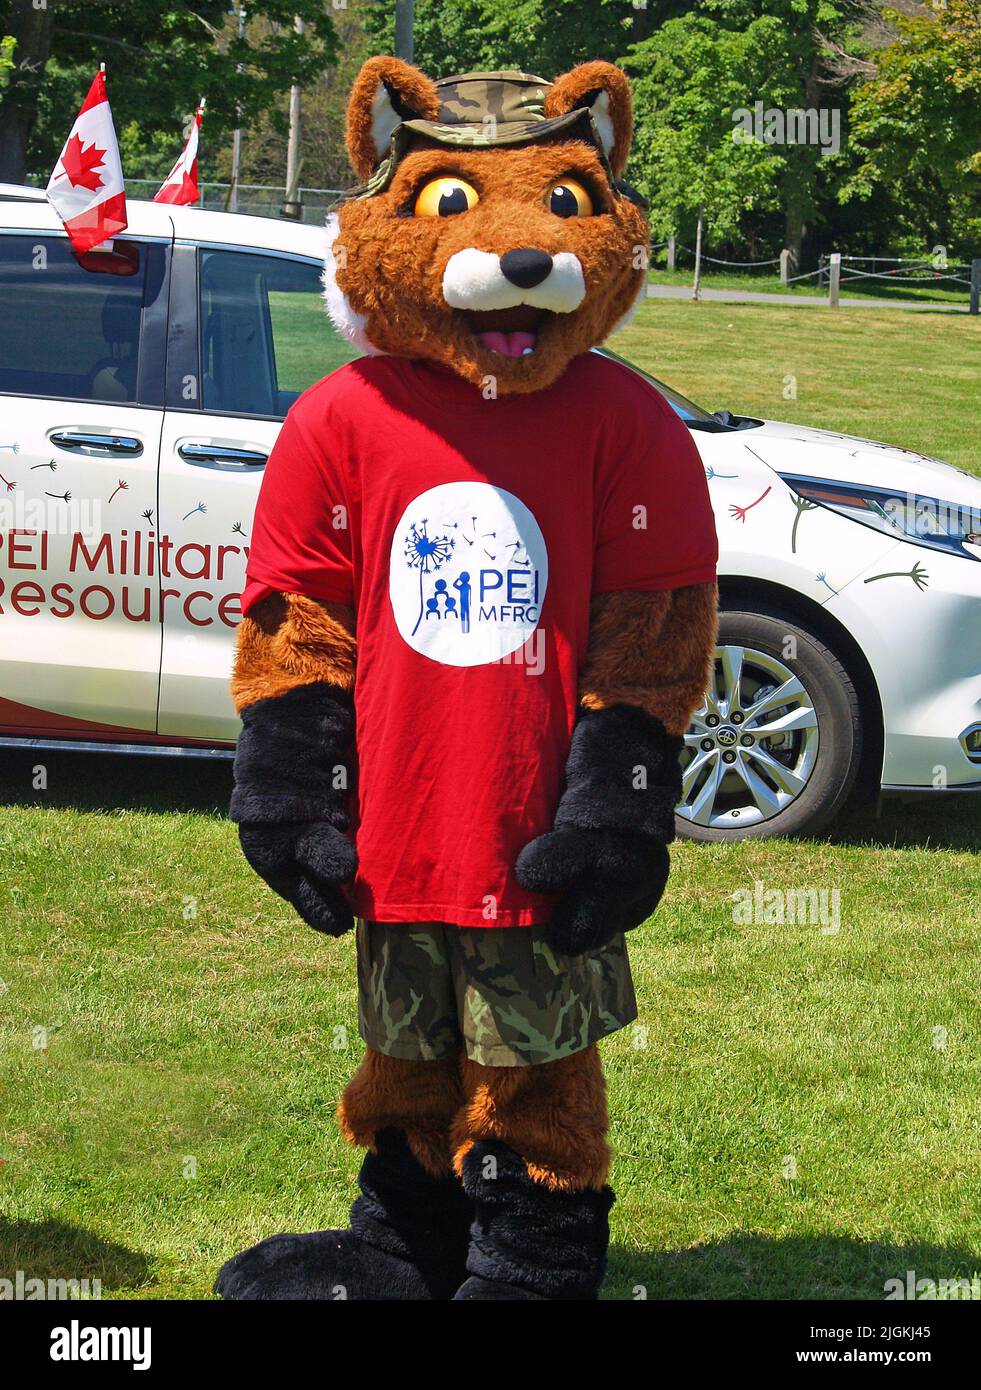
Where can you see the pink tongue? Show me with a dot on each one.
(508, 344)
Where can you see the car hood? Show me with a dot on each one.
(851, 459)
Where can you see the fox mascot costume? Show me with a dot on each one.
(479, 613)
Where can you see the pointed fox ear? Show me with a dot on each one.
(385, 92)
(603, 90)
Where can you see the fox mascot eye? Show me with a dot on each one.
(570, 199)
(445, 197)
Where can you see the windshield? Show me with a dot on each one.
(680, 404)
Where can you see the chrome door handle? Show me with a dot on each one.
(113, 445)
(221, 456)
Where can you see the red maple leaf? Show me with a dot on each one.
(80, 164)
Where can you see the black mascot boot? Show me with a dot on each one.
(407, 1241)
(528, 1242)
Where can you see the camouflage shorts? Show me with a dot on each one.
(429, 990)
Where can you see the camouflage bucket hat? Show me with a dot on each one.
(482, 110)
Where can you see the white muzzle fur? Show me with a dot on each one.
(474, 280)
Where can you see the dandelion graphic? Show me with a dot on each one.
(918, 575)
(9, 485)
(822, 578)
(60, 496)
(199, 508)
(237, 530)
(13, 448)
(426, 554)
(740, 512)
(711, 473)
(803, 504)
(121, 487)
(148, 515)
(52, 465)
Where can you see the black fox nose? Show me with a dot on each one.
(525, 267)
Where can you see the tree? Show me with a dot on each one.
(162, 56)
(689, 77)
(540, 36)
(778, 52)
(916, 122)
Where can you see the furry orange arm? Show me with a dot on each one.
(289, 640)
(653, 650)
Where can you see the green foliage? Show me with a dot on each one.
(916, 125)
(688, 79)
(7, 46)
(162, 56)
(541, 36)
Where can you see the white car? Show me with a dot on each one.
(142, 389)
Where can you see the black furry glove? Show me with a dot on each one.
(291, 815)
(607, 857)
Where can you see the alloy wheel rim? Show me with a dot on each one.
(752, 746)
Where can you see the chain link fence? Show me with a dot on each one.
(257, 200)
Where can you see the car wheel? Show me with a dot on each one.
(776, 746)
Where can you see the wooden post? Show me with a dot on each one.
(975, 305)
(671, 252)
(292, 206)
(834, 283)
(403, 29)
(784, 266)
(695, 289)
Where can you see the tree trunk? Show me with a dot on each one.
(18, 105)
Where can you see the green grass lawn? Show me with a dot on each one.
(796, 1114)
(912, 379)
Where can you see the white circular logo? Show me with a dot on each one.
(468, 573)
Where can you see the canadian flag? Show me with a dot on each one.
(181, 184)
(86, 184)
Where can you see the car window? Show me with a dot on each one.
(265, 336)
(71, 323)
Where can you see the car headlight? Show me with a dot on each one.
(953, 527)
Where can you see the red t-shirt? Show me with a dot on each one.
(470, 534)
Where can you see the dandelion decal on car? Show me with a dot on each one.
(121, 486)
(740, 512)
(918, 575)
(237, 530)
(822, 578)
(803, 504)
(199, 508)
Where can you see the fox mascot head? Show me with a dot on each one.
(491, 231)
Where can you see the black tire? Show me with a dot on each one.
(830, 691)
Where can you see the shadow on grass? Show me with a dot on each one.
(120, 782)
(115, 782)
(942, 820)
(745, 1265)
(53, 1250)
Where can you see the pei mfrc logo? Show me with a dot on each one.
(468, 574)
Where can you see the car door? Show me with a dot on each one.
(81, 395)
(248, 335)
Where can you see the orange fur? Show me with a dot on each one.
(412, 88)
(553, 1115)
(288, 640)
(393, 264)
(652, 650)
(569, 90)
(419, 1098)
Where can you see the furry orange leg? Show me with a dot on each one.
(553, 1115)
(418, 1098)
